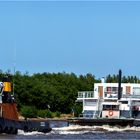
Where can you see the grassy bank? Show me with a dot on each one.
(61, 117)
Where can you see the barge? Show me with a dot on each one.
(9, 120)
(110, 104)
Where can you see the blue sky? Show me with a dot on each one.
(71, 36)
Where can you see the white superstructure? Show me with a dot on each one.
(103, 101)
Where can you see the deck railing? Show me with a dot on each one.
(86, 94)
(107, 95)
(130, 96)
(110, 95)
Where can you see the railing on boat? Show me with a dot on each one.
(130, 96)
(107, 95)
(86, 94)
(114, 95)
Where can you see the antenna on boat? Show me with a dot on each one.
(14, 70)
(119, 85)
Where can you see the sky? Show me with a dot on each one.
(97, 37)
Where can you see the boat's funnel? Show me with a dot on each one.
(119, 85)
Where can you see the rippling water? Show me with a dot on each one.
(60, 130)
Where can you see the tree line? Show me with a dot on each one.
(41, 94)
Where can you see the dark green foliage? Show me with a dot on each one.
(47, 113)
(56, 114)
(77, 109)
(29, 111)
(44, 113)
(41, 94)
(129, 79)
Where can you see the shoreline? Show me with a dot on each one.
(63, 117)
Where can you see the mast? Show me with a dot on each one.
(119, 85)
(14, 70)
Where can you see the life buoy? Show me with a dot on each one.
(110, 113)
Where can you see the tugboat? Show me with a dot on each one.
(9, 120)
(110, 104)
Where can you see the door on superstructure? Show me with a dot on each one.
(100, 91)
(128, 88)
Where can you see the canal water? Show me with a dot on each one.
(61, 130)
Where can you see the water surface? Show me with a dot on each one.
(61, 130)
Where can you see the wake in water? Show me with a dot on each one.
(77, 129)
(21, 132)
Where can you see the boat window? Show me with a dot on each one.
(107, 107)
(111, 90)
(136, 90)
(124, 102)
(110, 107)
(114, 89)
(115, 107)
(108, 89)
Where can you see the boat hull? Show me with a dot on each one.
(103, 121)
(12, 126)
